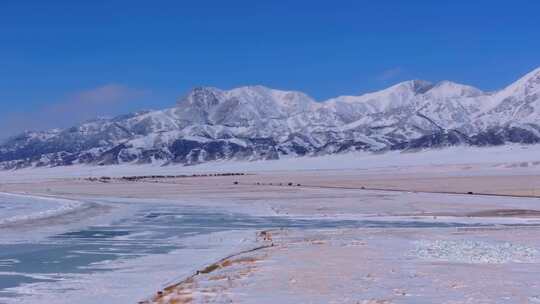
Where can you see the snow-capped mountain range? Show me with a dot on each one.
(256, 122)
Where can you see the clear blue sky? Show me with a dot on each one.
(154, 51)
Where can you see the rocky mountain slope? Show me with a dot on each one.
(255, 122)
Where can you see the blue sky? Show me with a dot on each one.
(63, 61)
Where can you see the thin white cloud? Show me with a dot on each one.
(390, 74)
(104, 100)
(107, 94)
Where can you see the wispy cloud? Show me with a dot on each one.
(107, 94)
(104, 100)
(390, 74)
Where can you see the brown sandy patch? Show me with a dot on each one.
(184, 292)
(505, 213)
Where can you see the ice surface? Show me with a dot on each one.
(15, 209)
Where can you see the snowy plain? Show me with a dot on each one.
(131, 218)
(524, 157)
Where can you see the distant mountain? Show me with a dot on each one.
(255, 122)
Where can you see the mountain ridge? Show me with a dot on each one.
(256, 122)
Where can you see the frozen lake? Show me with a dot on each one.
(131, 255)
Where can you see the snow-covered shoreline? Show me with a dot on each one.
(133, 280)
(122, 280)
(32, 207)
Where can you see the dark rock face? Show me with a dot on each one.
(492, 137)
(434, 140)
(500, 136)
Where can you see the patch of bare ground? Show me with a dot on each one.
(208, 283)
(212, 281)
(505, 213)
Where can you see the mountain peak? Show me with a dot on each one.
(527, 85)
(535, 72)
(417, 86)
(290, 102)
(532, 77)
(202, 97)
(257, 87)
(250, 91)
(449, 89)
(263, 90)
